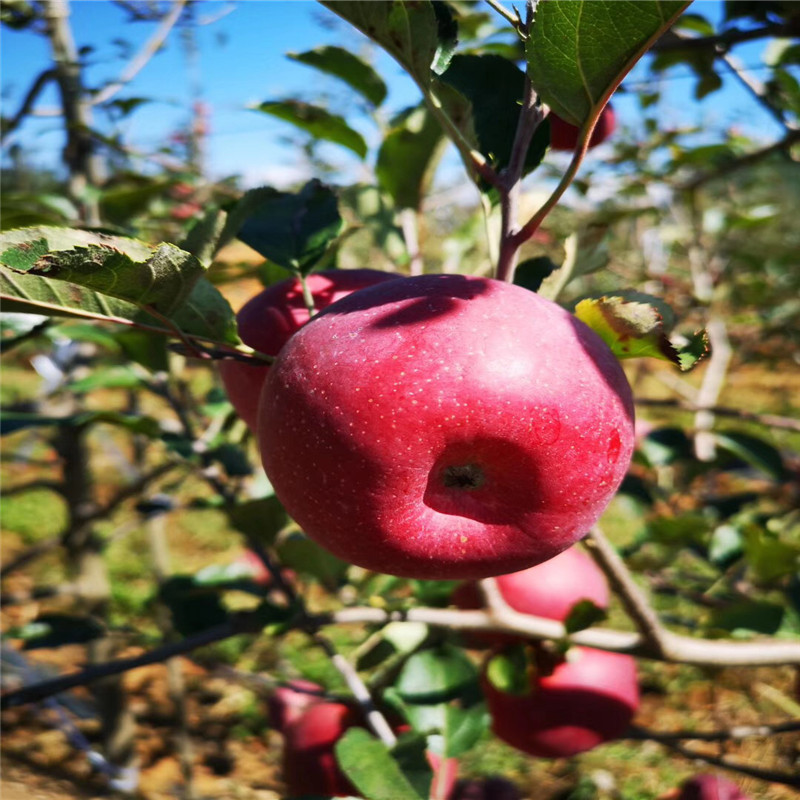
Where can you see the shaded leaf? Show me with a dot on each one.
(293, 230)
(368, 763)
(530, 273)
(409, 155)
(261, 520)
(55, 630)
(193, 607)
(748, 617)
(753, 450)
(494, 87)
(11, 422)
(583, 615)
(306, 557)
(343, 64)
(321, 124)
(579, 50)
(410, 755)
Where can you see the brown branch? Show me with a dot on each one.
(678, 649)
(42, 79)
(633, 598)
(767, 420)
(735, 733)
(149, 49)
(772, 776)
(244, 622)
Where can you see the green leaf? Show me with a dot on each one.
(305, 556)
(494, 87)
(147, 349)
(233, 459)
(410, 755)
(436, 675)
(748, 617)
(160, 278)
(726, 545)
(583, 615)
(665, 446)
(531, 272)
(408, 156)
(394, 639)
(261, 520)
(368, 763)
(632, 325)
(754, 450)
(55, 630)
(507, 671)
(343, 64)
(769, 556)
(578, 51)
(193, 607)
(321, 124)
(420, 36)
(293, 230)
(116, 377)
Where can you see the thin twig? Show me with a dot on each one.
(505, 13)
(767, 420)
(149, 49)
(42, 79)
(721, 42)
(735, 732)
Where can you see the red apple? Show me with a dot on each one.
(445, 426)
(549, 589)
(267, 321)
(587, 699)
(288, 703)
(710, 787)
(309, 760)
(253, 567)
(564, 135)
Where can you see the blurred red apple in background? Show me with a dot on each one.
(564, 135)
(549, 589)
(587, 699)
(267, 321)
(288, 703)
(445, 426)
(710, 787)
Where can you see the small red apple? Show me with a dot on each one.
(288, 703)
(253, 568)
(549, 589)
(564, 135)
(445, 426)
(309, 760)
(710, 787)
(267, 321)
(588, 698)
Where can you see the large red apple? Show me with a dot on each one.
(564, 135)
(267, 321)
(587, 699)
(445, 426)
(549, 589)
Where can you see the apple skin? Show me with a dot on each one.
(446, 427)
(586, 700)
(549, 589)
(564, 135)
(710, 787)
(268, 320)
(288, 703)
(309, 760)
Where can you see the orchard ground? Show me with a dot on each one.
(233, 748)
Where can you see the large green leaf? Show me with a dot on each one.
(321, 124)
(494, 87)
(435, 675)
(204, 313)
(579, 50)
(408, 156)
(123, 268)
(293, 230)
(370, 766)
(421, 35)
(346, 66)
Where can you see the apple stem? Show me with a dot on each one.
(308, 297)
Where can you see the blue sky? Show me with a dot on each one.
(242, 61)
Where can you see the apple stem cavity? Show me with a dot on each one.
(463, 477)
